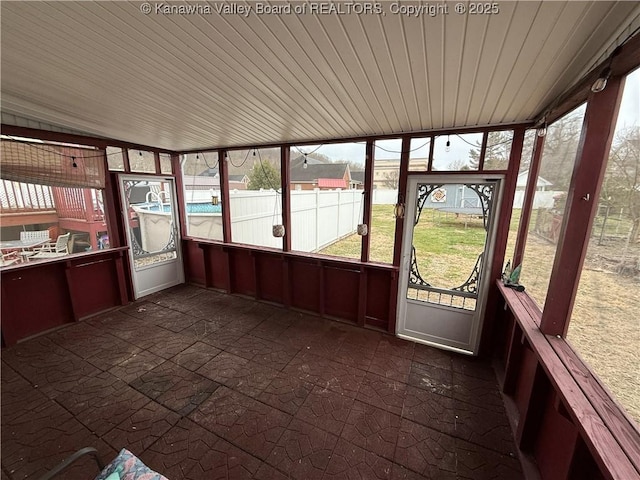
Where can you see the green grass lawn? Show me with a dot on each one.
(447, 246)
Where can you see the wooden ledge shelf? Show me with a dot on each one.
(543, 368)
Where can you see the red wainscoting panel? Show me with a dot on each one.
(379, 296)
(220, 272)
(322, 285)
(305, 285)
(269, 277)
(38, 296)
(82, 276)
(341, 289)
(555, 443)
(242, 271)
(526, 376)
(193, 258)
(34, 300)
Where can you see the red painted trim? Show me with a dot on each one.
(286, 283)
(113, 218)
(402, 198)
(591, 163)
(431, 149)
(527, 202)
(122, 279)
(156, 158)
(362, 297)
(182, 204)
(285, 175)
(483, 151)
(126, 161)
(322, 299)
(368, 196)
(502, 233)
(224, 192)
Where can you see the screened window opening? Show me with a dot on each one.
(142, 161)
(255, 196)
(457, 152)
(327, 204)
(202, 195)
(604, 327)
(419, 154)
(556, 168)
(51, 201)
(386, 176)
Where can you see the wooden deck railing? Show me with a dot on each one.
(77, 203)
(16, 197)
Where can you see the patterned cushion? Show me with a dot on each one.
(128, 467)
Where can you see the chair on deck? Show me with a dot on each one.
(52, 250)
(9, 259)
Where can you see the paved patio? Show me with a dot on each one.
(202, 385)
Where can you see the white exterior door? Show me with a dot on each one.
(152, 232)
(447, 242)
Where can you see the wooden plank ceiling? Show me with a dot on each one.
(180, 81)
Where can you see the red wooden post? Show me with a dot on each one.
(527, 201)
(582, 204)
(402, 196)
(224, 192)
(483, 151)
(182, 209)
(368, 196)
(285, 175)
(502, 231)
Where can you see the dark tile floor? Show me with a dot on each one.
(202, 385)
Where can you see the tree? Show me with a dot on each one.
(264, 175)
(621, 186)
(497, 153)
(391, 179)
(458, 166)
(560, 149)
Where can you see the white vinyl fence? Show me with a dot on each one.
(318, 218)
(321, 217)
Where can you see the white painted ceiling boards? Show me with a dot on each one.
(179, 81)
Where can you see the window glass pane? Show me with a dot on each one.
(419, 154)
(142, 161)
(68, 220)
(201, 183)
(498, 149)
(386, 174)
(457, 152)
(165, 163)
(255, 196)
(604, 327)
(114, 159)
(556, 168)
(521, 186)
(327, 182)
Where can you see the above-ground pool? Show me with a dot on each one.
(200, 207)
(204, 220)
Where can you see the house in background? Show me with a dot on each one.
(310, 173)
(238, 182)
(541, 185)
